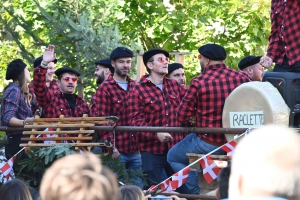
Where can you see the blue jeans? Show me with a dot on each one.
(133, 161)
(178, 159)
(153, 164)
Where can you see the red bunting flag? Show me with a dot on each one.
(179, 178)
(229, 147)
(210, 169)
(166, 185)
(7, 167)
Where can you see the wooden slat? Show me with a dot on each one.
(59, 125)
(214, 157)
(71, 144)
(75, 119)
(58, 132)
(72, 122)
(56, 138)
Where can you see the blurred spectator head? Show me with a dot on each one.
(77, 177)
(266, 163)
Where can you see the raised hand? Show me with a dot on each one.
(49, 54)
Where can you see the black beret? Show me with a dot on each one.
(14, 69)
(38, 61)
(248, 61)
(213, 52)
(106, 63)
(64, 69)
(172, 67)
(121, 52)
(148, 54)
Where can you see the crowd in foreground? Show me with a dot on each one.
(257, 171)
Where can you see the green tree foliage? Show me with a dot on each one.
(82, 32)
(87, 30)
(242, 27)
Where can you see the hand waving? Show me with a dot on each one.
(49, 54)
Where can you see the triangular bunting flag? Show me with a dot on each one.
(179, 178)
(229, 147)
(7, 167)
(166, 186)
(210, 169)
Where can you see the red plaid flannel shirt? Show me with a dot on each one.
(110, 99)
(53, 102)
(53, 86)
(150, 106)
(207, 94)
(285, 32)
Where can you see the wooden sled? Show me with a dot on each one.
(75, 131)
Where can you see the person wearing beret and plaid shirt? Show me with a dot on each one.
(251, 66)
(153, 102)
(176, 72)
(62, 101)
(103, 70)
(206, 95)
(284, 40)
(51, 84)
(111, 99)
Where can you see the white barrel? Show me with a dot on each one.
(254, 104)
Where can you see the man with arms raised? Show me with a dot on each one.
(62, 101)
(51, 84)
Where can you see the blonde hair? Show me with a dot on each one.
(130, 192)
(79, 177)
(267, 161)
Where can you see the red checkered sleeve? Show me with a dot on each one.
(285, 31)
(110, 99)
(42, 93)
(206, 94)
(150, 106)
(53, 102)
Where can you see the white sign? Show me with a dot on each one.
(251, 119)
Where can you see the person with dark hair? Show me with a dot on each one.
(103, 70)
(51, 84)
(59, 102)
(14, 190)
(251, 66)
(153, 102)
(15, 105)
(284, 40)
(111, 99)
(176, 72)
(223, 182)
(206, 96)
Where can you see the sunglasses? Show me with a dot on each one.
(199, 57)
(163, 59)
(67, 79)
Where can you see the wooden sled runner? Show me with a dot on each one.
(75, 131)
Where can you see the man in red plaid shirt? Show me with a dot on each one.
(58, 102)
(153, 103)
(51, 84)
(206, 96)
(284, 46)
(110, 99)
